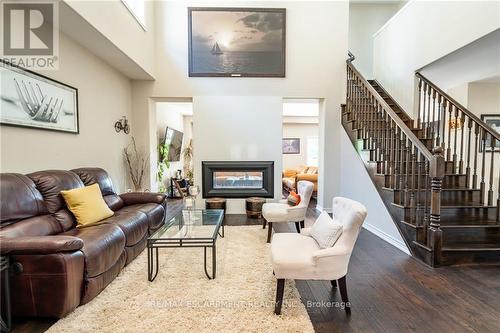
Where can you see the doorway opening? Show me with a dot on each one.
(174, 146)
(300, 144)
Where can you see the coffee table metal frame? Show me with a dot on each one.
(154, 244)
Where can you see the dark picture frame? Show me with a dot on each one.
(206, 62)
(26, 91)
(290, 146)
(491, 120)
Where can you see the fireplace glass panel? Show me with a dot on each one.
(238, 179)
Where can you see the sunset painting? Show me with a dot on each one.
(237, 42)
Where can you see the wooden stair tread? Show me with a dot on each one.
(472, 247)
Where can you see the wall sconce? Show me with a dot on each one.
(122, 124)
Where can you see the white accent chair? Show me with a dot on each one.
(279, 212)
(299, 257)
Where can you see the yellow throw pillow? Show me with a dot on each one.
(87, 204)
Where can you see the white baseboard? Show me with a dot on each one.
(388, 238)
(321, 209)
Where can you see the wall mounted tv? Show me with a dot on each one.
(173, 139)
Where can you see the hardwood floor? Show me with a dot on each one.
(388, 290)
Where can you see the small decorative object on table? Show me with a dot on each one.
(254, 207)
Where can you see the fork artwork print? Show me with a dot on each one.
(29, 99)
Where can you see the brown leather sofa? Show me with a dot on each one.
(64, 266)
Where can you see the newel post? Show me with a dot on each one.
(436, 173)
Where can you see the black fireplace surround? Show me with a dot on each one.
(237, 179)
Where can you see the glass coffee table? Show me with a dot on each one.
(189, 228)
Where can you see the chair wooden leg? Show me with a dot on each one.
(334, 284)
(343, 294)
(297, 226)
(269, 231)
(280, 288)
(264, 223)
(302, 224)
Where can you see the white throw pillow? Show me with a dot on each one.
(326, 231)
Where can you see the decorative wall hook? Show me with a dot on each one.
(122, 124)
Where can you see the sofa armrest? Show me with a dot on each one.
(309, 177)
(133, 198)
(40, 245)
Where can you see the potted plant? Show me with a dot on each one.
(163, 165)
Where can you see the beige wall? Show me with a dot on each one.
(484, 98)
(104, 96)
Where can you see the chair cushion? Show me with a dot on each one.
(275, 212)
(325, 231)
(293, 199)
(155, 213)
(103, 245)
(133, 223)
(87, 204)
(292, 255)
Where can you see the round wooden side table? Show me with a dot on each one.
(216, 203)
(254, 207)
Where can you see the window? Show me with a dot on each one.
(312, 151)
(137, 9)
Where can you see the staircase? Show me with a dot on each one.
(438, 174)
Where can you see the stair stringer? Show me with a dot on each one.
(379, 209)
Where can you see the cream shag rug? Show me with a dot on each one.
(182, 299)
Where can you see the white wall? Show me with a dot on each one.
(302, 131)
(357, 185)
(422, 32)
(364, 20)
(113, 20)
(223, 134)
(476, 61)
(315, 69)
(104, 96)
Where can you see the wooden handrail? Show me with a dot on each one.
(460, 106)
(409, 134)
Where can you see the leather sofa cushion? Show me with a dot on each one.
(24, 200)
(102, 246)
(50, 183)
(43, 225)
(90, 176)
(155, 213)
(133, 223)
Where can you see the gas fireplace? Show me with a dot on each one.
(238, 179)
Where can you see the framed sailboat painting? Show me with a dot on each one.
(237, 42)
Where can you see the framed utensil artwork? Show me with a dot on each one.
(28, 99)
(237, 42)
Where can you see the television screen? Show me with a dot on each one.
(173, 139)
